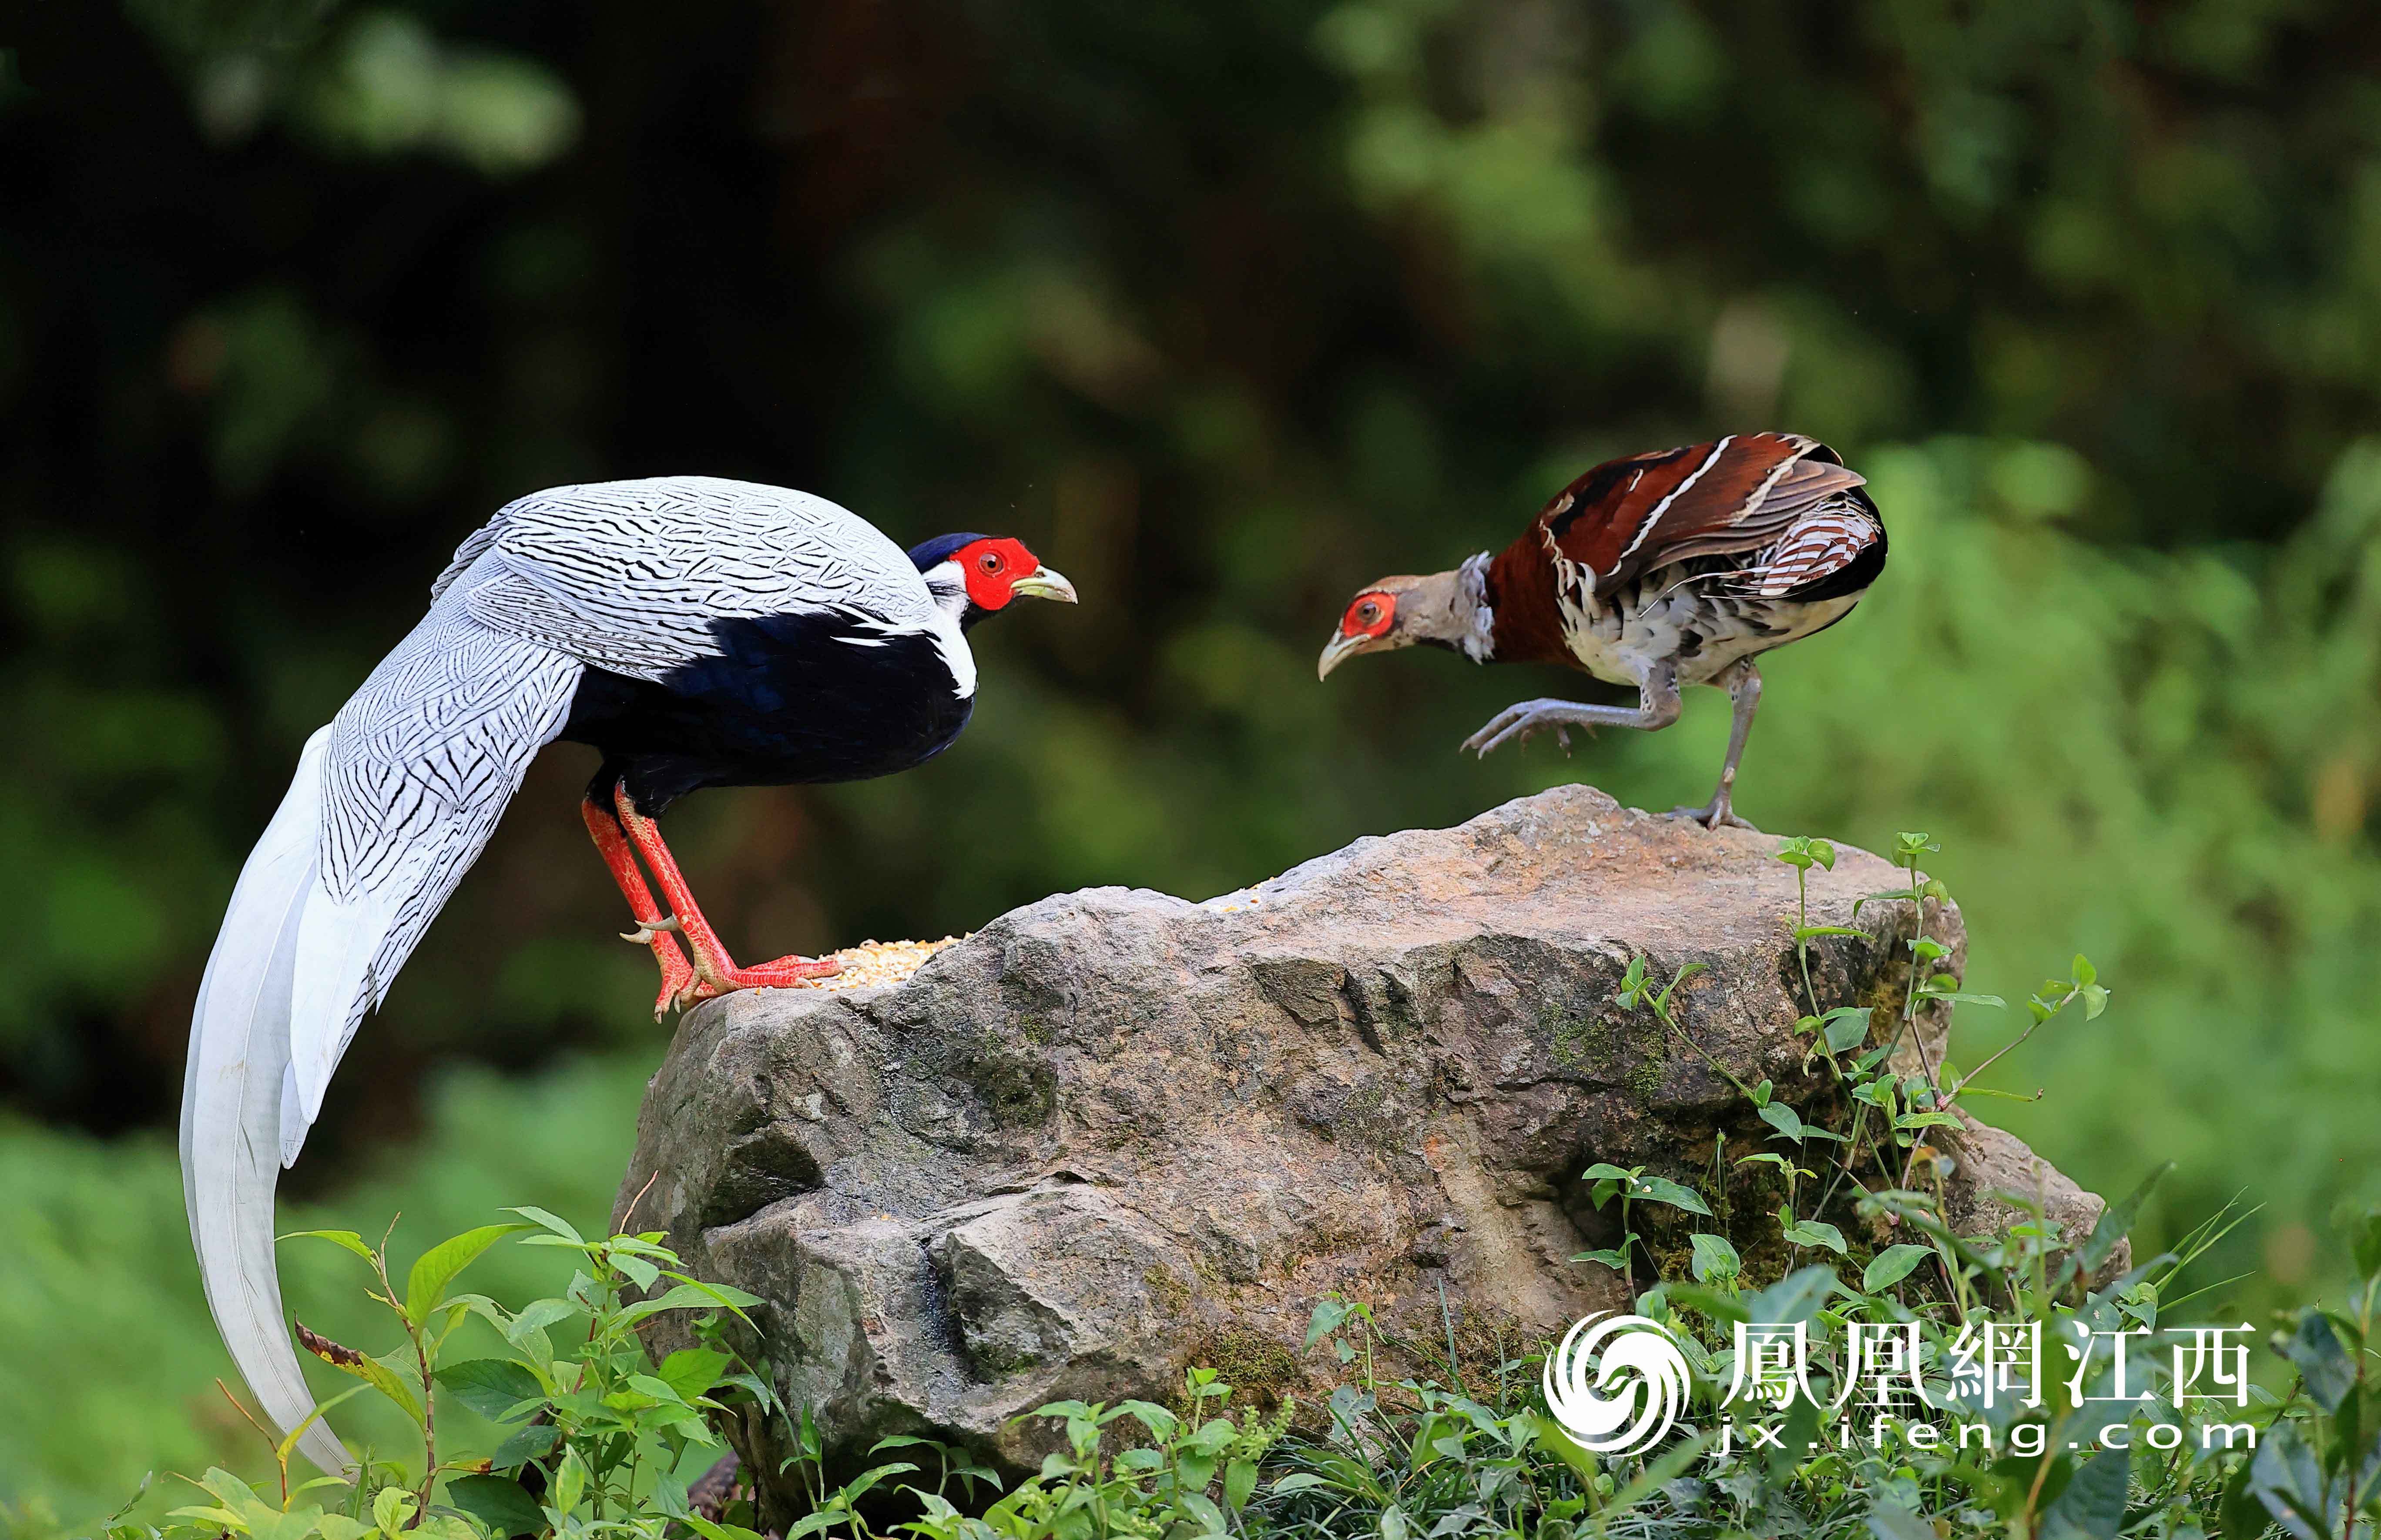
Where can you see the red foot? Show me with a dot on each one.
(713, 972)
(783, 972)
(678, 977)
(723, 977)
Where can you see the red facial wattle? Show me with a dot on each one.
(1371, 615)
(991, 568)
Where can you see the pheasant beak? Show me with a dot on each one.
(1342, 648)
(1042, 583)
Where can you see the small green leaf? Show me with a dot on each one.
(1812, 932)
(2367, 1246)
(531, 1441)
(392, 1506)
(1892, 1264)
(1656, 1190)
(426, 1285)
(690, 1295)
(1689, 970)
(491, 1386)
(1615, 1259)
(1817, 1232)
(2324, 1363)
(555, 1223)
(691, 1371)
(1847, 1028)
(569, 1481)
(537, 1315)
(372, 1371)
(1963, 998)
(1790, 1125)
(343, 1238)
(1715, 1257)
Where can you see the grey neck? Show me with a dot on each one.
(1453, 607)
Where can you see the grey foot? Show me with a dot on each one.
(1712, 814)
(1516, 724)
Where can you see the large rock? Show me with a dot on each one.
(1115, 1133)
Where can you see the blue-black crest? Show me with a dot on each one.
(938, 550)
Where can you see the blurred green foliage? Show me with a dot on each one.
(1224, 308)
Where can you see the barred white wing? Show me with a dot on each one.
(633, 575)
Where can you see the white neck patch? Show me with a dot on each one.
(948, 585)
(948, 592)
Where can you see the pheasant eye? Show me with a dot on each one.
(989, 561)
(1369, 616)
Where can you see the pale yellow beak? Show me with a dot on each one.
(1042, 583)
(1342, 648)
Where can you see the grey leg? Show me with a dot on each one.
(1742, 682)
(1657, 707)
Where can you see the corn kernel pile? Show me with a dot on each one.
(878, 962)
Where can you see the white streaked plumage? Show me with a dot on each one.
(394, 799)
(1825, 542)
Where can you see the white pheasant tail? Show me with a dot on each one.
(379, 824)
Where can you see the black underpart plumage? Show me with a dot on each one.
(788, 699)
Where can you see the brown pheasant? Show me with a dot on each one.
(1659, 570)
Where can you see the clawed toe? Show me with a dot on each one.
(1494, 736)
(783, 972)
(1513, 725)
(1712, 817)
(685, 986)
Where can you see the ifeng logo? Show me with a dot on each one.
(1600, 1349)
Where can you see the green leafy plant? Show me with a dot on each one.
(1632, 1186)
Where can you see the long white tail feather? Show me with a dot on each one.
(391, 804)
(232, 1107)
(336, 942)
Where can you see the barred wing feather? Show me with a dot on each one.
(633, 575)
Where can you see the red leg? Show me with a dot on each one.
(715, 972)
(652, 925)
